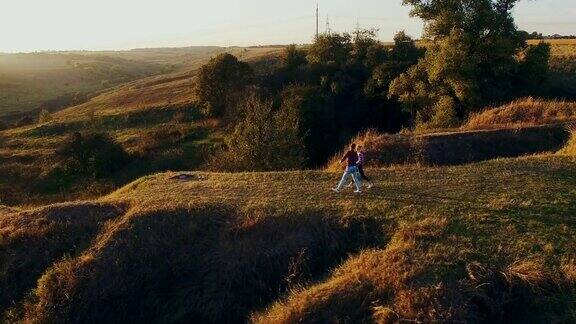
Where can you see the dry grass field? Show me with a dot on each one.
(454, 147)
(483, 242)
(522, 113)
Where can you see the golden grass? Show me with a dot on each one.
(453, 147)
(569, 269)
(425, 244)
(382, 149)
(570, 147)
(31, 240)
(522, 113)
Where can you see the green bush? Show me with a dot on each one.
(263, 140)
(94, 154)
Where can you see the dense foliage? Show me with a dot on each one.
(477, 57)
(264, 139)
(331, 90)
(342, 84)
(219, 82)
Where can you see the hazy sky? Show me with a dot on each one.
(31, 25)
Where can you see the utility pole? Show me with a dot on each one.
(316, 21)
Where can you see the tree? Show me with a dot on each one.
(365, 45)
(219, 82)
(292, 57)
(472, 61)
(534, 68)
(403, 55)
(317, 120)
(263, 140)
(331, 49)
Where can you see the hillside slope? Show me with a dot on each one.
(154, 113)
(54, 80)
(468, 243)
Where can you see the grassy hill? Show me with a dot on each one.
(492, 241)
(156, 112)
(31, 81)
(35, 80)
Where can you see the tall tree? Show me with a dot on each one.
(473, 60)
(219, 82)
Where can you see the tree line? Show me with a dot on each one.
(319, 96)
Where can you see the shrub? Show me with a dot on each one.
(292, 57)
(93, 154)
(44, 116)
(158, 138)
(263, 140)
(443, 116)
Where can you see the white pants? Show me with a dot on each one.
(353, 172)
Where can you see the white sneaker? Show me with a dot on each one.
(369, 185)
(336, 190)
(358, 191)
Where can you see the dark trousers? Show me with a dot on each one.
(361, 171)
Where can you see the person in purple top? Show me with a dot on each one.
(360, 165)
(351, 158)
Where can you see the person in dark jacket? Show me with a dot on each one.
(351, 158)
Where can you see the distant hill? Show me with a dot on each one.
(52, 79)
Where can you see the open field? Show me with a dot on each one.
(468, 243)
(161, 109)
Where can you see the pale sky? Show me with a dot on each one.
(36, 25)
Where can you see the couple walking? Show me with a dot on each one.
(354, 168)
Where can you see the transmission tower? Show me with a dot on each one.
(316, 21)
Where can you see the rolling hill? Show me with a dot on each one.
(483, 242)
(52, 80)
(136, 113)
